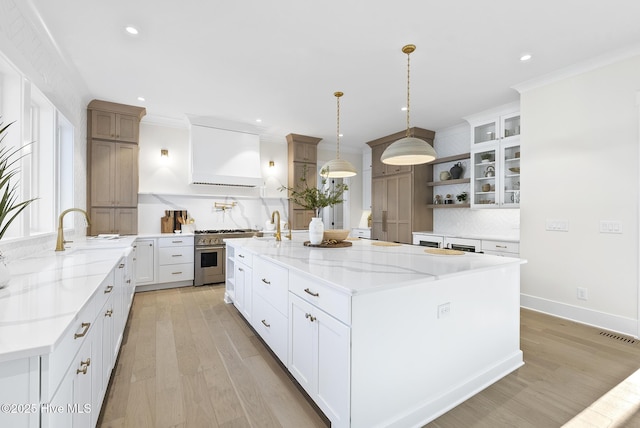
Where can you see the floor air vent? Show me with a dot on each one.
(624, 339)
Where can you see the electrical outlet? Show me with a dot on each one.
(557, 225)
(582, 293)
(444, 310)
(610, 226)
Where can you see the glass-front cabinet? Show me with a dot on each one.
(495, 158)
(495, 179)
(503, 128)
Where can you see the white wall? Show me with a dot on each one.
(164, 184)
(580, 163)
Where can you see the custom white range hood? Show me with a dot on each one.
(224, 153)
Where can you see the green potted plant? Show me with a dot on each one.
(315, 198)
(462, 197)
(10, 208)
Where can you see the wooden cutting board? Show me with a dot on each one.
(166, 223)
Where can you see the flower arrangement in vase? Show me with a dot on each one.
(315, 198)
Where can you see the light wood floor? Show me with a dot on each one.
(189, 360)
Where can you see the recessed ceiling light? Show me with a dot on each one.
(259, 120)
(131, 30)
(140, 98)
(403, 109)
(341, 135)
(525, 57)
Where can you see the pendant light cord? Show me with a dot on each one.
(338, 95)
(408, 98)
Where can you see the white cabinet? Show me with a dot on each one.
(243, 285)
(503, 124)
(71, 406)
(360, 232)
(495, 158)
(428, 240)
(319, 358)
(20, 387)
(145, 261)
(501, 248)
(270, 305)
(175, 257)
(495, 175)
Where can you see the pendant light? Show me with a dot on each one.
(338, 168)
(408, 150)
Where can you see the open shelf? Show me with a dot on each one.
(448, 182)
(451, 158)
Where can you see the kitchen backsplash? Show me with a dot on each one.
(248, 213)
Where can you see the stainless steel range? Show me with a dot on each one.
(210, 253)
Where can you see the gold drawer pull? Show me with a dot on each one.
(85, 326)
(84, 366)
(176, 242)
(265, 323)
(266, 282)
(108, 313)
(310, 317)
(176, 273)
(306, 290)
(108, 289)
(501, 246)
(176, 255)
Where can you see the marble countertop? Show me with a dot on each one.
(48, 290)
(367, 267)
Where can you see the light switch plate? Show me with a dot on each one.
(557, 225)
(610, 226)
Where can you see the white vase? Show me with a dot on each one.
(5, 275)
(316, 231)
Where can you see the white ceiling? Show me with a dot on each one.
(282, 60)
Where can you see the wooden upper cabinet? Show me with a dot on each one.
(115, 122)
(303, 148)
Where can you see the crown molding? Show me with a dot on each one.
(579, 68)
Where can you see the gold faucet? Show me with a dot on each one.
(60, 243)
(273, 215)
(289, 230)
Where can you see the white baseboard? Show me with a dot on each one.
(628, 326)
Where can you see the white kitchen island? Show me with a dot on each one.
(380, 336)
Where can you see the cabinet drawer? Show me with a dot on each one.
(176, 241)
(105, 290)
(175, 255)
(324, 297)
(501, 246)
(244, 257)
(178, 272)
(55, 365)
(272, 283)
(272, 326)
(361, 233)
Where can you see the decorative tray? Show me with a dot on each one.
(385, 244)
(329, 244)
(444, 252)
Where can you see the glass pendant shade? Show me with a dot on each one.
(338, 168)
(408, 150)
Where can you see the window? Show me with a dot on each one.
(47, 138)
